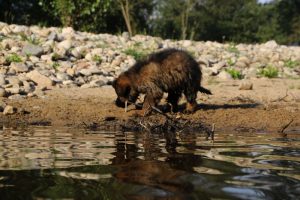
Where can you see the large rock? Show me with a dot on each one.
(19, 67)
(246, 85)
(3, 92)
(13, 90)
(33, 50)
(40, 80)
(224, 75)
(8, 110)
(90, 71)
(270, 44)
(2, 79)
(66, 45)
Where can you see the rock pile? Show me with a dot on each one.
(33, 58)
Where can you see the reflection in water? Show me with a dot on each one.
(43, 163)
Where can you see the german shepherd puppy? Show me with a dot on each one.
(171, 70)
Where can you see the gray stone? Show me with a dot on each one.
(13, 90)
(271, 44)
(126, 36)
(3, 92)
(11, 71)
(19, 67)
(66, 45)
(34, 59)
(14, 80)
(33, 50)
(53, 36)
(246, 85)
(62, 76)
(8, 110)
(40, 80)
(2, 60)
(16, 97)
(28, 87)
(240, 64)
(87, 85)
(2, 106)
(90, 71)
(98, 83)
(67, 82)
(2, 79)
(224, 75)
(70, 72)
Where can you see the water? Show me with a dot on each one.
(48, 163)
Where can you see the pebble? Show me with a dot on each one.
(246, 85)
(8, 110)
(3, 92)
(32, 50)
(68, 58)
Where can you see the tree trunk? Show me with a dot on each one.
(126, 14)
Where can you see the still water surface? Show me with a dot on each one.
(49, 163)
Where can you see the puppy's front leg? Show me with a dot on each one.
(152, 98)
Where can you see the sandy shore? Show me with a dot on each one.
(270, 105)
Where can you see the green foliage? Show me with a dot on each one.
(31, 40)
(97, 58)
(239, 21)
(230, 62)
(55, 56)
(55, 66)
(13, 58)
(233, 49)
(291, 63)
(269, 72)
(137, 55)
(235, 74)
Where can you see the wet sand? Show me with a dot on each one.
(271, 104)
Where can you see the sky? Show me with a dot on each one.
(264, 1)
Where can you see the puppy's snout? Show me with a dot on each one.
(120, 103)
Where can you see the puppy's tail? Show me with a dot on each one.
(204, 90)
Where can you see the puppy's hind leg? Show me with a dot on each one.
(191, 96)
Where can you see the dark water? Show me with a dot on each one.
(49, 163)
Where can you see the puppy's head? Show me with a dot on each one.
(124, 90)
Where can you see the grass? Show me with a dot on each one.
(55, 56)
(31, 40)
(269, 72)
(97, 58)
(291, 63)
(55, 65)
(102, 45)
(230, 62)
(233, 49)
(137, 55)
(192, 53)
(235, 74)
(1, 38)
(13, 58)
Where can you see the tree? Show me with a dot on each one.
(85, 15)
(136, 14)
(25, 12)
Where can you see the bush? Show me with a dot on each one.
(291, 63)
(135, 53)
(13, 58)
(235, 74)
(269, 72)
